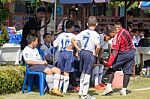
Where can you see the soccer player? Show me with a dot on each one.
(33, 59)
(47, 48)
(65, 43)
(122, 56)
(90, 45)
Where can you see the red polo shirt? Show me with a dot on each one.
(121, 42)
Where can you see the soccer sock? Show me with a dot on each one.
(100, 78)
(111, 77)
(86, 82)
(126, 80)
(96, 80)
(56, 81)
(61, 81)
(101, 69)
(81, 83)
(66, 83)
(49, 80)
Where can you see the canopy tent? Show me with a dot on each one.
(70, 2)
(145, 5)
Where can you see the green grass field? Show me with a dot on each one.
(139, 83)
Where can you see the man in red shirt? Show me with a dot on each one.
(122, 56)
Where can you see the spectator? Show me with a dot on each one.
(50, 24)
(33, 26)
(122, 56)
(73, 15)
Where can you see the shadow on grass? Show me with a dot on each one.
(93, 92)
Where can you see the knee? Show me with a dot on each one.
(48, 71)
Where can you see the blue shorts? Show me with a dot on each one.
(125, 60)
(87, 61)
(65, 61)
(39, 68)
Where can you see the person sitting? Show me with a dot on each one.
(36, 64)
(47, 48)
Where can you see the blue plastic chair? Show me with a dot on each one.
(29, 77)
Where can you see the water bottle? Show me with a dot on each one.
(148, 71)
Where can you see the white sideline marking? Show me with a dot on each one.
(142, 89)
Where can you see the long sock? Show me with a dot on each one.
(86, 83)
(66, 84)
(81, 83)
(49, 80)
(111, 77)
(101, 70)
(96, 80)
(126, 80)
(100, 78)
(56, 81)
(61, 82)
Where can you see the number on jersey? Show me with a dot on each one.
(86, 40)
(65, 43)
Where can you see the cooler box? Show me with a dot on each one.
(118, 80)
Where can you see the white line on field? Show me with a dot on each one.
(142, 89)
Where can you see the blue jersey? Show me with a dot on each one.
(88, 39)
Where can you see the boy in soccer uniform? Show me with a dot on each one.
(65, 43)
(90, 45)
(47, 48)
(36, 64)
(98, 70)
(122, 56)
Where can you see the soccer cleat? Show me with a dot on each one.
(87, 97)
(56, 92)
(107, 91)
(123, 92)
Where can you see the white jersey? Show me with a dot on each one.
(46, 49)
(88, 39)
(63, 41)
(31, 54)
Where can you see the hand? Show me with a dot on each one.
(44, 62)
(106, 64)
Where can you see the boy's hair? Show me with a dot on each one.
(130, 13)
(31, 38)
(44, 36)
(92, 21)
(118, 23)
(41, 9)
(109, 29)
(49, 10)
(73, 10)
(69, 24)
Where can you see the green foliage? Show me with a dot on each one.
(11, 79)
(4, 14)
(4, 36)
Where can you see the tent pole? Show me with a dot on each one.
(125, 15)
(55, 15)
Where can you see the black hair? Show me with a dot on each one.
(130, 13)
(73, 10)
(49, 10)
(146, 33)
(41, 9)
(31, 38)
(109, 29)
(69, 24)
(44, 36)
